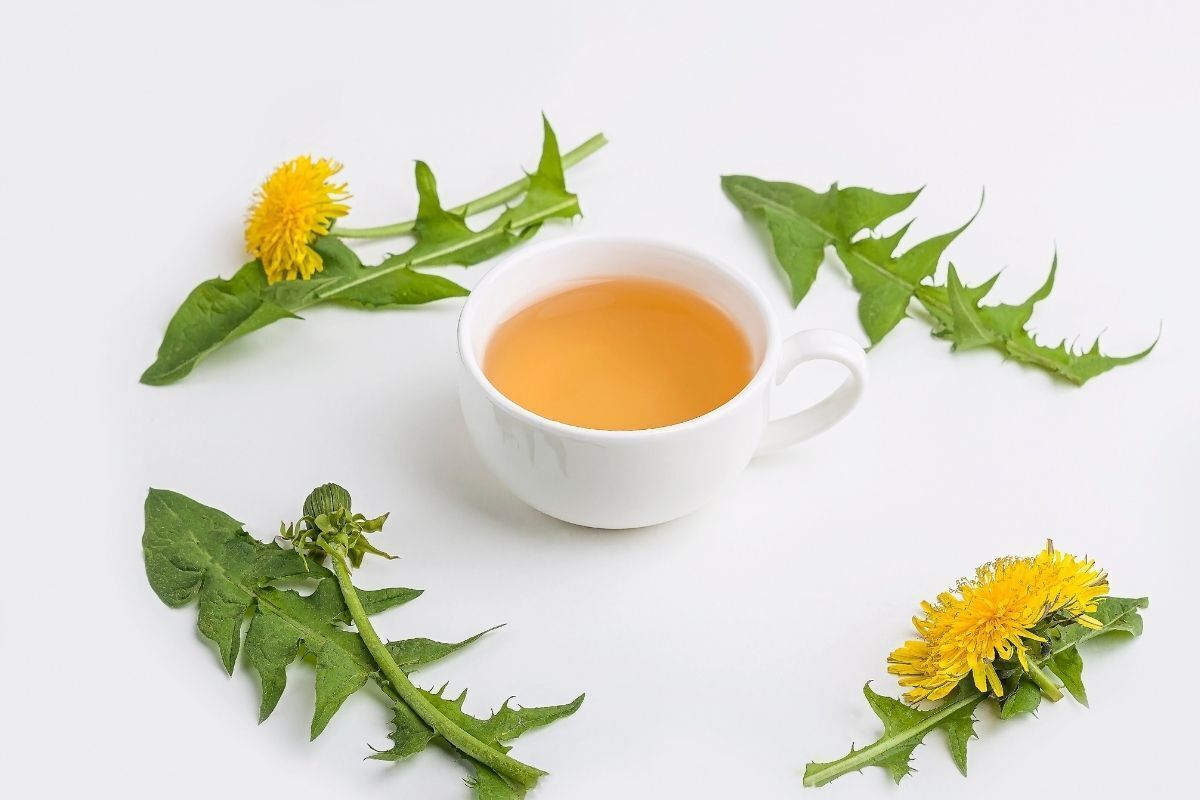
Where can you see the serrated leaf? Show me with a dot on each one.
(968, 326)
(503, 725)
(444, 238)
(411, 654)
(196, 552)
(1068, 666)
(487, 785)
(802, 223)
(219, 311)
(509, 723)
(1008, 320)
(886, 282)
(1062, 360)
(410, 734)
(376, 601)
(960, 318)
(1024, 699)
(936, 300)
(896, 718)
(960, 729)
(904, 727)
(546, 197)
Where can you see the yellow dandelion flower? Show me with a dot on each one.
(291, 209)
(992, 618)
(916, 661)
(1072, 585)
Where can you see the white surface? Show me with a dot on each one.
(721, 652)
(634, 479)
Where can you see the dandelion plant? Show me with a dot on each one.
(803, 223)
(194, 552)
(1002, 636)
(300, 259)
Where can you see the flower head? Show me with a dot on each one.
(992, 618)
(1071, 584)
(329, 526)
(291, 209)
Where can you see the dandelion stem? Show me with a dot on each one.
(821, 774)
(434, 255)
(519, 774)
(1045, 683)
(496, 198)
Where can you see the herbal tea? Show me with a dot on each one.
(620, 354)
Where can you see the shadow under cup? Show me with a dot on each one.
(605, 478)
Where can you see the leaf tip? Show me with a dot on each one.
(155, 375)
(973, 217)
(729, 185)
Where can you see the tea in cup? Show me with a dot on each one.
(618, 383)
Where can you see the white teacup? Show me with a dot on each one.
(628, 479)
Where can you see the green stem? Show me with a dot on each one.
(496, 198)
(520, 774)
(1045, 683)
(435, 255)
(865, 757)
(931, 301)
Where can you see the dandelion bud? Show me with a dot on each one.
(327, 499)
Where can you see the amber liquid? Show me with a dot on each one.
(620, 354)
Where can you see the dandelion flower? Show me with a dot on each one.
(992, 618)
(1072, 585)
(291, 209)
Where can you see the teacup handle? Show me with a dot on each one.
(816, 345)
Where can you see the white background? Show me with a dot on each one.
(720, 652)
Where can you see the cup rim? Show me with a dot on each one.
(467, 356)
